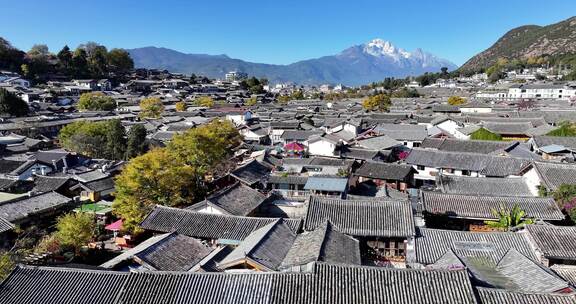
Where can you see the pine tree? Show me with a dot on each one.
(136, 141)
(115, 140)
(12, 105)
(65, 58)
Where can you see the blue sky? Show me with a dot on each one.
(277, 32)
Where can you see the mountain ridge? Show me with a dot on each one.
(358, 64)
(528, 41)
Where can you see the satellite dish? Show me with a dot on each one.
(329, 105)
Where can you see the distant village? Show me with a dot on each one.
(464, 192)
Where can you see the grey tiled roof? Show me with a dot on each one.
(101, 184)
(383, 218)
(488, 165)
(385, 171)
(403, 132)
(363, 154)
(207, 226)
(481, 206)
(325, 244)
(567, 272)
(500, 296)
(378, 142)
(324, 284)
(8, 166)
(513, 272)
(5, 225)
(431, 244)
(266, 246)
(85, 286)
(299, 134)
(46, 184)
(508, 128)
(479, 186)
(251, 173)
(288, 179)
(167, 252)
(238, 199)
(528, 275)
(553, 175)
(568, 142)
(21, 208)
(554, 241)
(468, 146)
(174, 253)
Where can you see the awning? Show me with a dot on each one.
(294, 146)
(116, 226)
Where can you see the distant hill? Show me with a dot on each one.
(529, 41)
(359, 64)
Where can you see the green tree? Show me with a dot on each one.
(6, 265)
(251, 101)
(75, 230)
(283, 99)
(566, 129)
(84, 137)
(204, 101)
(12, 105)
(102, 139)
(483, 134)
(205, 146)
(297, 95)
(180, 106)
(120, 62)
(38, 61)
(456, 100)
(39, 51)
(564, 194)
(136, 141)
(380, 103)
(11, 58)
(96, 101)
(115, 140)
(151, 107)
(254, 85)
(98, 62)
(509, 218)
(65, 59)
(80, 63)
(405, 93)
(157, 177)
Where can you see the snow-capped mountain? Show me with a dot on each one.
(381, 52)
(359, 64)
(380, 48)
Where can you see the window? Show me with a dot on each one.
(420, 167)
(466, 172)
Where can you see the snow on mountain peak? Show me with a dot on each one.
(378, 47)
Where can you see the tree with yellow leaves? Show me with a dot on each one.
(151, 107)
(180, 106)
(380, 103)
(204, 101)
(251, 101)
(156, 177)
(175, 175)
(456, 100)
